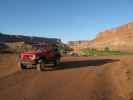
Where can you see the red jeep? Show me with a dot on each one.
(40, 56)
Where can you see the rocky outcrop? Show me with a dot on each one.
(118, 38)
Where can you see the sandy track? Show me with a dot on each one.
(79, 78)
(8, 64)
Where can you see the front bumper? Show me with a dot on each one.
(34, 62)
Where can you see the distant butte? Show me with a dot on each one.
(120, 38)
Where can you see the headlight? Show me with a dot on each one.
(32, 57)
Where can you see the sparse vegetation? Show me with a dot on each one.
(5, 48)
(105, 52)
(25, 47)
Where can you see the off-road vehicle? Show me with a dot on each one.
(39, 56)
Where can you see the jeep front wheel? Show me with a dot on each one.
(40, 66)
(22, 66)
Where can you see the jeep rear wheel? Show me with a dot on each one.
(56, 62)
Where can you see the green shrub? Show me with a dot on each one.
(105, 52)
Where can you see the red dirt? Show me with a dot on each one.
(76, 78)
(8, 64)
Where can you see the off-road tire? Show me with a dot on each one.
(56, 62)
(22, 66)
(40, 66)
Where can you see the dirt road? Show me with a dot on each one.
(76, 78)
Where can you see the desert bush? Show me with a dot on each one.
(26, 47)
(106, 49)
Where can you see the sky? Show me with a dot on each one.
(68, 20)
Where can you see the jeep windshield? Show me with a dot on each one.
(39, 47)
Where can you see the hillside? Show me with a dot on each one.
(5, 38)
(27, 39)
(116, 38)
(16, 42)
(120, 38)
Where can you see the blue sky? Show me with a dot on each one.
(65, 19)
